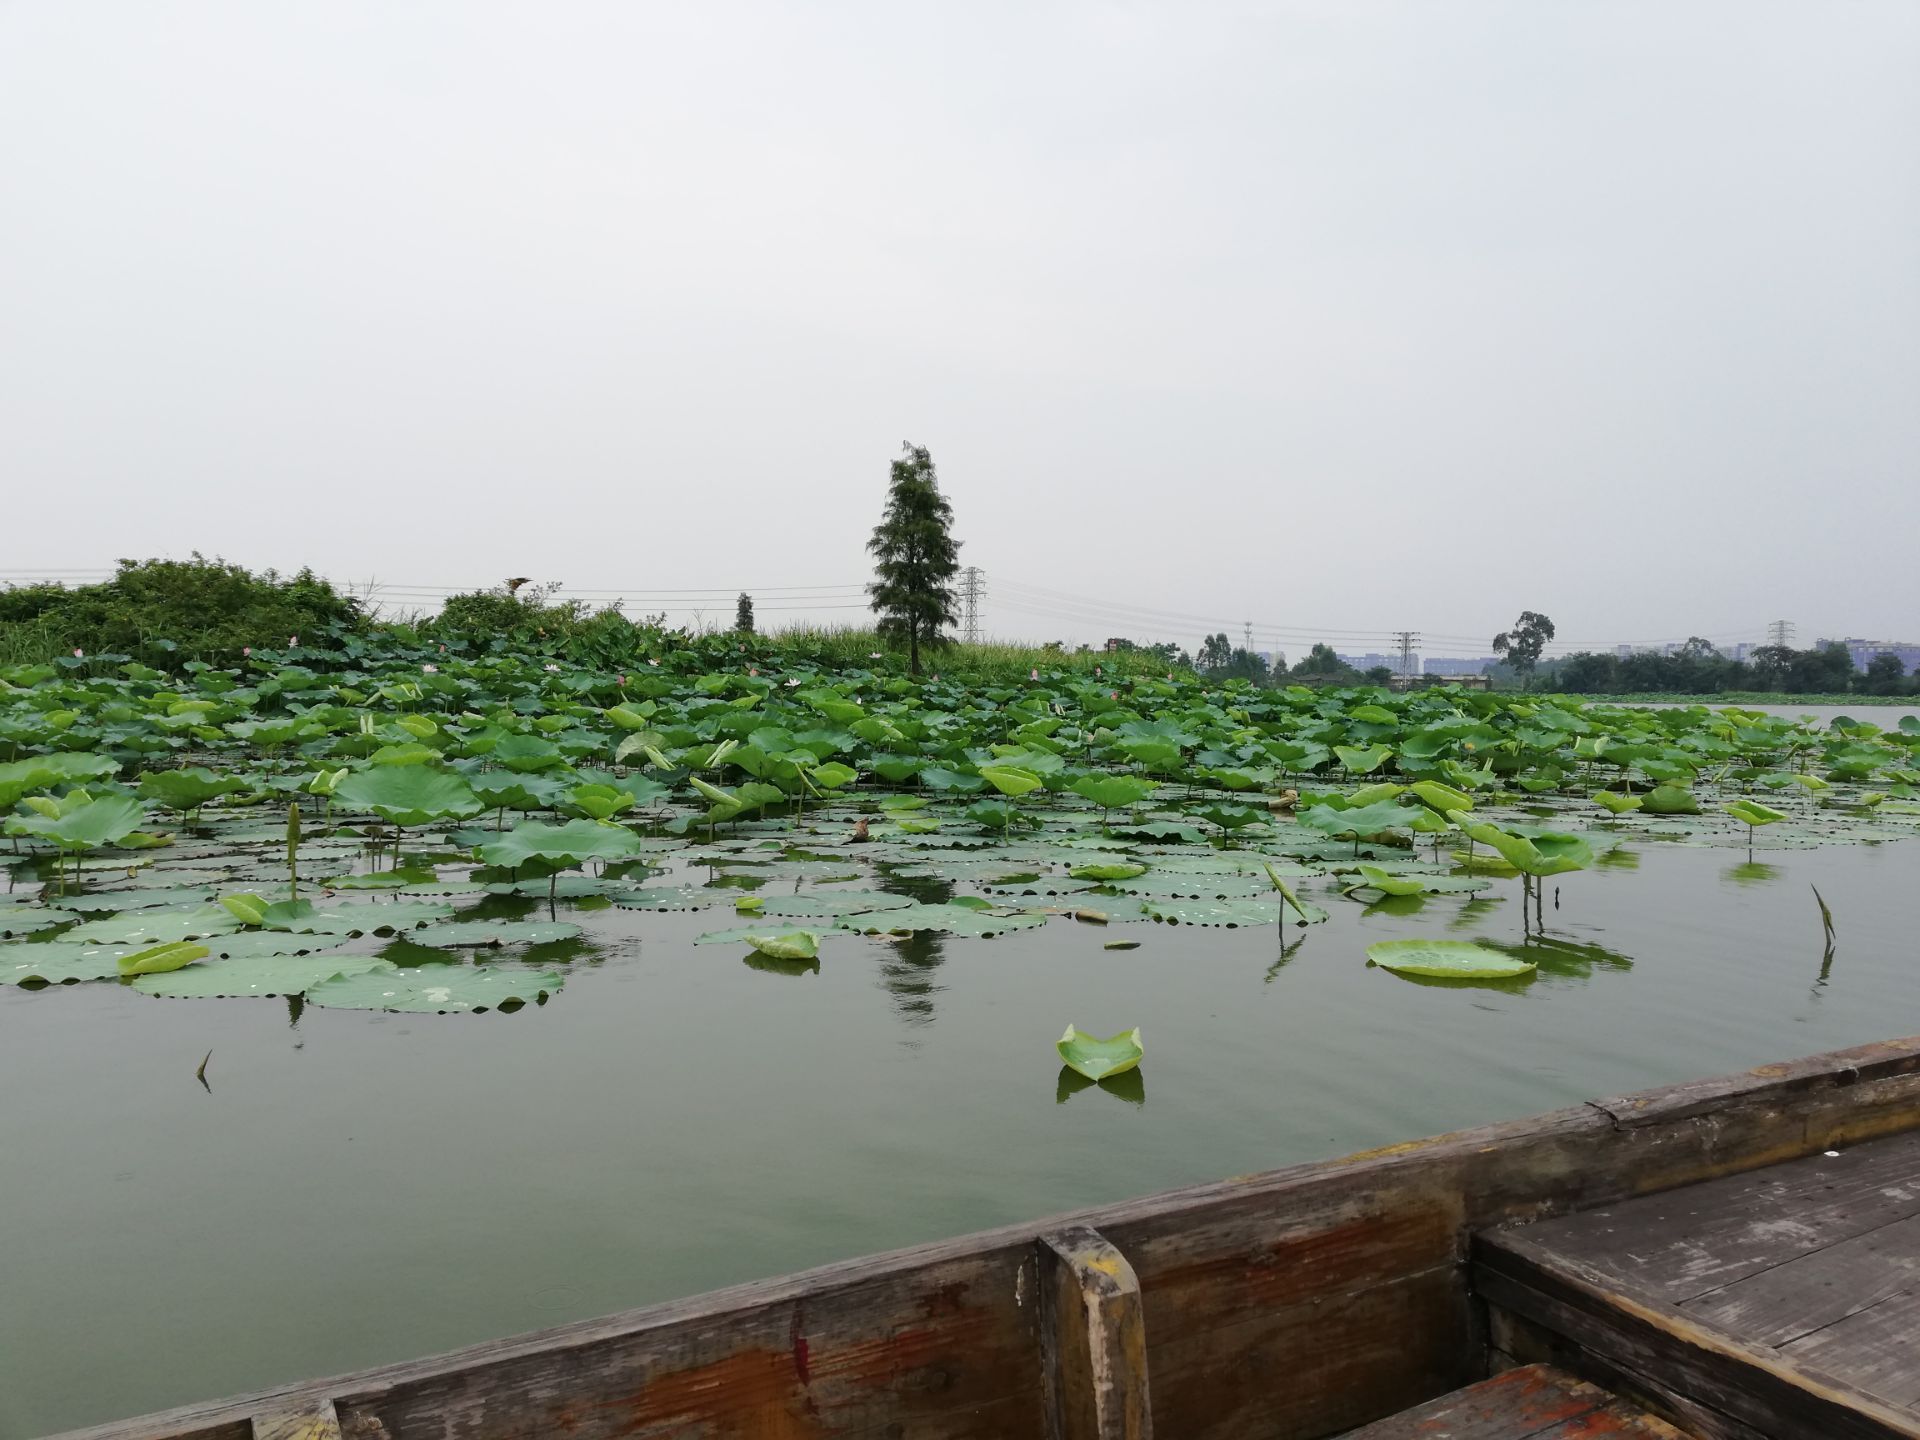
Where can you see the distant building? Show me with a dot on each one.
(1863, 651)
(1372, 659)
(1447, 665)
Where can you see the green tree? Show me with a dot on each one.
(915, 557)
(743, 614)
(1521, 646)
(1321, 660)
(1215, 653)
(1885, 675)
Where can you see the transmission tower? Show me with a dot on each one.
(973, 586)
(1780, 632)
(1247, 631)
(1407, 640)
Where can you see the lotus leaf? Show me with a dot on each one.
(1446, 960)
(409, 794)
(574, 843)
(153, 927)
(949, 919)
(436, 988)
(456, 933)
(159, 959)
(1232, 914)
(1099, 1059)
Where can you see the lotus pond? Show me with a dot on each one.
(533, 993)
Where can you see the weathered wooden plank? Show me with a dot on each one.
(1535, 1402)
(1816, 1291)
(1515, 1340)
(881, 1349)
(1319, 1367)
(1675, 1354)
(312, 1420)
(1094, 1338)
(1876, 1348)
(1682, 1243)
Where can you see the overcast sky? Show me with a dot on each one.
(1337, 317)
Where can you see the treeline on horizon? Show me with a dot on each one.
(167, 611)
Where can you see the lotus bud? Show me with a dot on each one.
(293, 639)
(246, 650)
(619, 679)
(429, 669)
(78, 653)
(1033, 675)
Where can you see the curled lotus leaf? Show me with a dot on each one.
(1098, 1059)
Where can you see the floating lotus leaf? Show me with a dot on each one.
(57, 962)
(28, 919)
(948, 919)
(1446, 960)
(140, 928)
(678, 897)
(1099, 1059)
(1196, 887)
(305, 918)
(437, 989)
(457, 933)
(832, 903)
(147, 899)
(1039, 885)
(1232, 914)
(1105, 870)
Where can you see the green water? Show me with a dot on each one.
(361, 1187)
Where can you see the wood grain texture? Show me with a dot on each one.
(1534, 1402)
(1675, 1354)
(1288, 1305)
(1095, 1339)
(313, 1420)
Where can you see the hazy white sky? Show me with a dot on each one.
(1341, 317)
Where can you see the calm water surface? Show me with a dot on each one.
(363, 1187)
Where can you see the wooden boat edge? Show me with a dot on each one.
(1668, 1135)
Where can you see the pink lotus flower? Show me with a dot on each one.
(246, 649)
(753, 670)
(429, 669)
(78, 653)
(619, 679)
(443, 649)
(1033, 675)
(293, 639)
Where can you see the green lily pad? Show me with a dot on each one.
(58, 963)
(260, 975)
(141, 928)
(1194, 887)
(493, 932)
(436, 989)
(1446, 960)
(160, 959)
(29, 919)
(678, 897)
(946, 919)
(1099, 1059)
(832, 903)
(116, 901)
(1233, 914)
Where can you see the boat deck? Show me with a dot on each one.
(1785, 1301)
(1537, 1402)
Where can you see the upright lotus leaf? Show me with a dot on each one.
(187, 789)
(1099, 1059)
(1362, 759)
(1670, 800)
(1309, 914)
(1441, 798)
(574, 843)
(1446, 960)
(1545, 853)
(1615, 803)
(1010, 780)
(85, 826)
(248, 909)
(1753, 814)
(831, 776)
(409, 794)
(1113, 792)
(159, 959)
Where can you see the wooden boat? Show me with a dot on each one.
(1732, 1259)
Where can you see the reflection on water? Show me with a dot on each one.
(1751, 872)
(1130, 1086)
(774, 965)
(1560, 955)
(908, 965)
